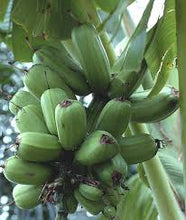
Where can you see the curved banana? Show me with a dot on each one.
(30, 118)
(22, 172)
(94, 207)
(49, 100)
(126, 82)
(98, 147)
(71, 122)
(21, 99)
(38, 147)
(114, 117)
(90, 192)
(92, 57)
(26, 196)
(59, 61)
(40, 78)
(138, 148)
(155, 108)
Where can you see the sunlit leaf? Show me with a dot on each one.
(51, 19)
(138, 202)
(133, 53)
(164, 38)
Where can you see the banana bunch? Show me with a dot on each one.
(67, 149)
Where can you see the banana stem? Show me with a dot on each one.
(60, 214)
(181, 50)
(90, 7)
(164, 198)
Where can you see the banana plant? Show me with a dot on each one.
(119, 157)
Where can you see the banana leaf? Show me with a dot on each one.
(133, 53)
(138, 202)
(164, 40)
(51, 19)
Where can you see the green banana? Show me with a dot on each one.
(94, 207)
(30, 118)
(59, 61)
(38, 147)
(26, 196)
(112, 172)
(126, 82)
(49, 100)
(40, 78)
(138, 148)
(71, 122)
(114, 117)
(69, 203)
(21, 99)
(98, 147)
(156, 108)
(90, 192)
(22, 172)
(92, 57)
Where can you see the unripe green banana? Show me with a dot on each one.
(40, 78)
(71, 122)
(30, 118)
(126, 82)
(114, 117)
(92, 57)
(70, 203)
(79, 10)
(156, 108)
(59, 61)
(22, 172)
(112, 172)
(94, 207)
(90, 192)
(21, 99)
(26, 196)
(38, 147)
(138, 148)
(98, 147)
(49, 100)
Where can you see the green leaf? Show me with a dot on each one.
(138, 202)
(51, 19)
(3, 8)
(164, 40)
(24, 44)
(167, 67)
(174, 169)
(133, 53)
(111, 6)
(20, 46)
